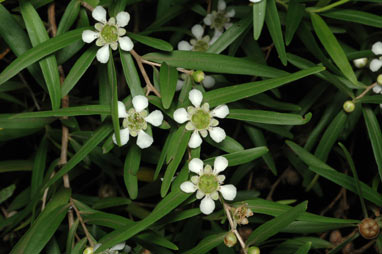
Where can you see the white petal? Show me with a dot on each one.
(197, 31)
(88, 36)
(216, 36)
(119, 246)
(179, 85)
(126, 43)
(99, 14)
(155, 118)
(220, 164)
(200, 194)
(377, 48)
(377, 89)
(227, 25)
(188, 187)
(103, 54)
(195, 97)
(360, 62)
(208, 19)
(144, 140)
(124, 134)
(208, 81)
(228, 191)
(123, 18)
(221, 5)
(375, 65)
(140, 102)
(121, 110)
(195, 140)
(184, 45)
(207, 205)
(196, 166)
(254, 1)
(217, 134)
(97, 246)
(180, 115)
(221, 111)
(231, 13)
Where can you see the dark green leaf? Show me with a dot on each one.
(258, 10)
(269, 117)
(168, 77)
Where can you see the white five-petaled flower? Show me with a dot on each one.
(376, 63)
(201, 119)
(114, 250)
(199, 43)
(220, 19)
(109, 33)
(207, 183)
(135, 121)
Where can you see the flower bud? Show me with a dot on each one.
(230, 239)
(198, 76)
(253, 250)
(379, 79)
(360, 62)
(349, 106)
(88, 250)
(368, 228)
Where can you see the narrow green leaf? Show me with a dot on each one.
(131, 74)
(233, 93)
(241, 157)
(15, 166)
(132, 162)
(304, 249)
(274, 27)
(78, 69)
(157, 239)
(69, 17)
(269, 117)
(163, 155)
(71, 111)
(7, 192)
(39, 166)
(294, 16)
(228, 145)
(258, 11)
(151, 42)
(270, 102)
(70, 239)
(80, 246)
(111, 202)
(207, 244)
(332, 46)
(272, 227)
(168, 77)
(375, 99)
(355, 16)
(214, 63)
(229, 36)
(112, 78)
(375, 136)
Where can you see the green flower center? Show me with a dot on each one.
(220, 20)
(109, 33)
(135, 122)
(201, 119)
(208, 183)
(201, 46)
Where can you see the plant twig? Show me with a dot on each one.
(87, 6)
(78, 214)
(4, 53)
(367, 89)
(189, 72)
(227, 210)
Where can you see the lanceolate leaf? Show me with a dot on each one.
(69, 17)
(294, 16)
(269, 117)
(168, 77)
(131, 74)
(71, 111)
(132, 162)
(112, 78)
(151, 42)
(258, 18)
(207, 244)
(355, 16)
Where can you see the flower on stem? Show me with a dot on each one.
(135, 121)
(220, 19)
(199, 42)
(109, 33)
(376, 63)
(201, 119)
(207, 183)
(114, 250)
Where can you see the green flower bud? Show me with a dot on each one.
(349, 106)
(198, 76)
(379, 79)
(230, 239)
(253, 250)
(88, 250)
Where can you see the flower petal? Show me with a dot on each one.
(375, 65)
(360, 62)
(179, 85)
(188, 187)
(221, 111)
(195, 140)
(208, 19)
(195, 97)
(198, 31)
(123, 18)
(196, 166)
(121, 110)
(377, 48)
(119, 246)
(184, 45)
(227, 25)
(377, 89)
(221, 5)
(208, 81)
(88, 36)
(126, 43)
(103, 54)
(207, 205)
(180, 115)
(155, 118)
(99, 14)
(140, 102)
(217, 134)
(228, 191)
(216, 36)
(124, 134)
(220, 164)
(231, 13)
(200, 194)
(97, 246)
(144, 140)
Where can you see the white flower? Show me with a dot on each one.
(114, 250)
(220, 19)
(201, 119)
(360, 62)
(199, 42)
(376, 63)
(207, 183)
(135, 121)
(109, 33)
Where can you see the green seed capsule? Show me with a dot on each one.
(230, 239)
(349, 106)
(88, 250)
(253, 250)
(198, 76)
(379, 79)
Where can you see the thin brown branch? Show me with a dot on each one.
(365, 92)
(87, 6)
(189, 72)
(209, 6)
(233, 225)
(78, 214)
(334, 201)
(4, 53)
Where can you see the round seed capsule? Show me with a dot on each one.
(368, 228)
(253, 250)
(349, 106)
(198, 76)
(230, 239)
(88, 250)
